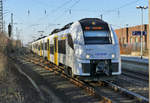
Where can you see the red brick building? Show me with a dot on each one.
(132, 42)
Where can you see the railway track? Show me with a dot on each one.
(59, 70)
(109, 92)
(136, 75)
(119, 94)
(132, 84)
(136, 81)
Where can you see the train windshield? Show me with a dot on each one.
(97, 37)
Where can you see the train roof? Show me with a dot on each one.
(63, 28)
(84, 22)
(55, 31)
(66, 26)
(87, 22)
(40, 38)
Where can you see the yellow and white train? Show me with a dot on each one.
(88, 49)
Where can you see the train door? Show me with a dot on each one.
(48, 50)
(56, 50)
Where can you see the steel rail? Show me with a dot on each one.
(139, 98)
(135, 76)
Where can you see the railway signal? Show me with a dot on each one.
(9, 30)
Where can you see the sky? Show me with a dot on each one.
(32, 16)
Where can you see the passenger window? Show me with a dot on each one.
(55, 44)
(45, 45)
(41, 46)
(48, 44)
(51, 48)
(70, 41)
(62, 46)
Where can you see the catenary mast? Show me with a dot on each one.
(1, 15)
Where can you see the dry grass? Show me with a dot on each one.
(3, 42)
(2, 62)
(130, 50)
(10, 91)
(8, 45)
(13, 88)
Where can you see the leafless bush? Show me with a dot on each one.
(8, 45)
(3, 42)
(125, 49)
(135, 50)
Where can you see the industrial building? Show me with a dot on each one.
(130, 39)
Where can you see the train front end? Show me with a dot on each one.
(97, 50)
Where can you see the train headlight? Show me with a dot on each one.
(113, 56)
(87, 56)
